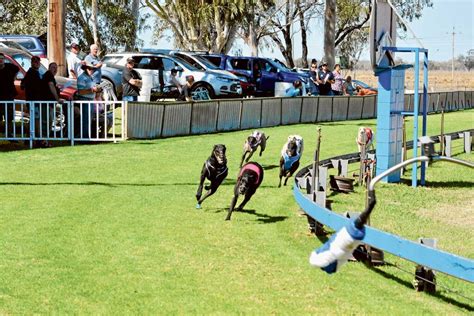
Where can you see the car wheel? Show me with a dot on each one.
(201, 90)
(108, 88)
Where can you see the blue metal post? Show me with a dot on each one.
(425, 96)
(414, 172)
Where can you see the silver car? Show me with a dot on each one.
(215, 83)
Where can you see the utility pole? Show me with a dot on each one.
(452, 61)
(56, 34)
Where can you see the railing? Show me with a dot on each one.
(75, 121)
(156, 120)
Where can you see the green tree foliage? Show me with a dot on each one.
(116, 23)
(209, 25)
(23, 17)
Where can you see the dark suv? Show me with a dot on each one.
(264, 72)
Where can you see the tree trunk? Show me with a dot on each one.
(304, 42)
(136, 18)
(252, 41)
(330, 33)
(95, 33)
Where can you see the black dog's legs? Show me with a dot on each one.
(201, 183)
(231, 209)
(282, 170)
(213, 188)
(243, 158)
(246, 199)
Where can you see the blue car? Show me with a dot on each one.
(263, 71)
(34, 44)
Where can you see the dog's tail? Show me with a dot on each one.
(267, 137)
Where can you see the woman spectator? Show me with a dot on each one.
(313, 71)
(338, 80)
(347, 87)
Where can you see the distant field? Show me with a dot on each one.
(437, 80)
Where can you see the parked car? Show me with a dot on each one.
(362, 84)
(214, 83)
(266, 70)
(193, 58)
(31, 42)
(23, 61)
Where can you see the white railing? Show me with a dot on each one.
(88, 121)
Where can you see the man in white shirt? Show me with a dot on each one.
(74, 62)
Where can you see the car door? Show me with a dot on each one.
(169, 64)
(269, 75)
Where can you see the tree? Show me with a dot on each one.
(23, 17)
(114, 26)
(209, 25)
(330, 32)
(255, 23)
(284, 16)
(469, 60)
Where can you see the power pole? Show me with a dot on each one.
(452, 61)
(56, 34)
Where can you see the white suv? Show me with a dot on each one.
(213, 82)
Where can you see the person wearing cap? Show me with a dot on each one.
(131, 81)
(94, 60)
(325, 79)
(173, 81)
(74, 62)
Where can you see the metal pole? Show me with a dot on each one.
(414, 173)
(315, 175)
(425, 95)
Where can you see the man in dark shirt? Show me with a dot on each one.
(131, 82)
(32, 83)
(8, 72)
(325, 79)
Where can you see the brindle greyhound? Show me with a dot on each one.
(290, 157)
(215, 170)
(249, 179)
(257, 138)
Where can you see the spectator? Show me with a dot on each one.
(187, 88)
(313, 72)
(32, 83)
(295, 90)
(256, 74)
(347, 87)
(87, 90)
(338, 80)
(173, 81)
(131, 81)
(52, 90)
(325, 79)
(74, 62)
(94, 60)
(8, 73)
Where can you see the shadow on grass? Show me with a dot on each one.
(441, 184)
(410, 285)
(95, 183)
(270, 167)
(347, 124)
(263, 218)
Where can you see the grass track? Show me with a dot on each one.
(109, 229)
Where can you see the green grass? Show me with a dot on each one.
(112, 229)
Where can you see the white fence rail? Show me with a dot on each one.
(76, 121)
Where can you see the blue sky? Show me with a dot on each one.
(434, 30)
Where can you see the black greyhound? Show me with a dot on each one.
(215, 170)
(249, 179)
(290, 157)
(252, 142)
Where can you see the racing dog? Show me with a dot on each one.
(290, 157)
(215, 170)
(257, 138)
(364, 137)
(249, 179)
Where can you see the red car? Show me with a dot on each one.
(22, 59)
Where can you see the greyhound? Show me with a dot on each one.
(290, 157)
(257, 138)
(215, 170)
(364, 138)
(248, 181)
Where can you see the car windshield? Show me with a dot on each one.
(184, 63)
(279, 65)
(25, 62)
(206, 63)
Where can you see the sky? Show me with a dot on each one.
(434, 29)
